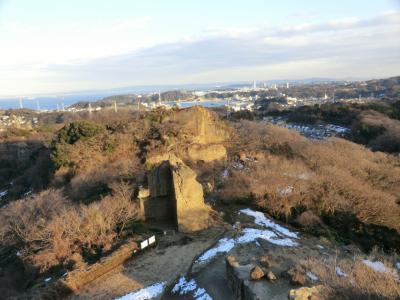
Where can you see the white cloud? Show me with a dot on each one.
(60, 43)
(338, 48)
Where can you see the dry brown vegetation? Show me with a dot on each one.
(86, 207)
(346, 184)
(49, 230)
(377, 131)
(359, 281)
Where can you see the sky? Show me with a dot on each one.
(49, 46)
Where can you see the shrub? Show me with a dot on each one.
(69, 135)
(78, 130)
(48, 229)
(360, 281)
(324, 177)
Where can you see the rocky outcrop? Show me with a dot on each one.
(193, 133)
(160, 180)
(191, 212)
(207, 153)
(175, 195)
(202, 124)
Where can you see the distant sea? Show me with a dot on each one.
(53, 103)
(48, 102)
(185, 104)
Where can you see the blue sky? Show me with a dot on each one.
(57, 46)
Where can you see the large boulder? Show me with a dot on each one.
(192, 213)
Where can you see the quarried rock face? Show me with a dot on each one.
(207, 153)
(203, 125)
(160, 180)
(176, 195)
(192, 213)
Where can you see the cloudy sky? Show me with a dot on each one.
(49, 46)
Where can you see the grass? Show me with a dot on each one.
(359, 282)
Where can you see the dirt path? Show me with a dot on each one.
(171, 259)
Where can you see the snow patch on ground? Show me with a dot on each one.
(375, 265)
(3, 193)
(184, 287)
(340, 273)
(146, 293)
(378, 266)
(312, 276)
(224, 245)
(320, 247)
(398, 266)
(262, 220)
(250, 235)
(47, 279)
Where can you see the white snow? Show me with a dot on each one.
(184, 287)
(320, 247)
(252, 234)
(225, 173)
(18, 253)
(3, 193)
(249, 235)
(340, 273)
(380, 267)
(146, 293)
(224, 245)
(312, 276)
(398, 265)
(262, 220)
(47, 279)
(279, 235)
(375, 265)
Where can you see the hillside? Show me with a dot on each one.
(99, 183)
